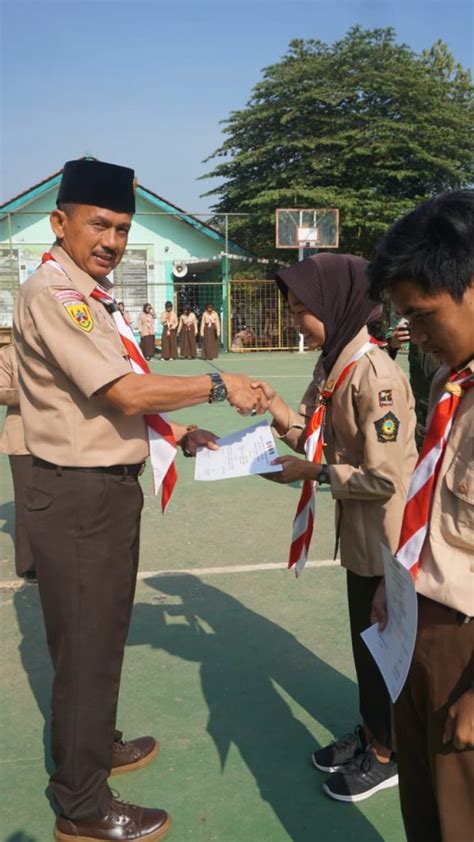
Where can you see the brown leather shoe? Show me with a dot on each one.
(129, 755)
(123, 823)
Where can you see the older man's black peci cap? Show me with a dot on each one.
(90, 182)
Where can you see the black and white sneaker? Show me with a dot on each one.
(361, 778)
(333, 756)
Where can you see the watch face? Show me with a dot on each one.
(219, 389)
(219, 392)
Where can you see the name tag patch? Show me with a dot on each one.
(69, 295)
(385, 397)
(387, 427)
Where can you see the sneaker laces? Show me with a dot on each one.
(346, 740)
(360, 763)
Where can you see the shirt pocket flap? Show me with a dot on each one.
(460, 479)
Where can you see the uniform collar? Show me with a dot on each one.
(82, 281)
(359, 339)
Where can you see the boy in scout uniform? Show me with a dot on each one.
(86, 417)
(12, 441)
(426, 263)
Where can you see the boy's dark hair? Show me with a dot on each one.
(433, 246)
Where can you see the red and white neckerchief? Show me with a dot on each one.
(160, 435)
(417, 510)
(304, 518)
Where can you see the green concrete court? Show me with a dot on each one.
(239, 669)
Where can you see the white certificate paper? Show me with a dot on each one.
(393, 648)
(241, 454)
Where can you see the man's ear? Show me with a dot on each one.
(57, 219)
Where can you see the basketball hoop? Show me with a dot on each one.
(307, 228)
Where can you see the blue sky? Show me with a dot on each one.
(146, 83)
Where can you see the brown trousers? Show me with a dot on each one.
(374, 700)
(169, 345)
(436, 781)
(21, 467)
(147, 345)
(84, 530)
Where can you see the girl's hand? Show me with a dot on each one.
(267, 390)
(294, 469)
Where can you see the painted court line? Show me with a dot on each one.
(16, 584)
(237, 568)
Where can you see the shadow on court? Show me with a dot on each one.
(7, 513)
(247, 663)
(36, 663)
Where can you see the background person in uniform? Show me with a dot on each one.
(187, 332)
(169, 320)
(210, 333)
(369, 432)
(243, 339)
(426, 262)
(422, 368)
(12, 441)
(124, 312)
(83, 409)
(146, 329)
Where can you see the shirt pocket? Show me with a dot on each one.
(459, 481)
(108, 328)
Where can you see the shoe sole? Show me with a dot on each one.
(362, 795)
(139, 764)
(148, 837)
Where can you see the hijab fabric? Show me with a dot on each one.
(334, 288)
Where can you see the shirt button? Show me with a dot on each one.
(463, 487)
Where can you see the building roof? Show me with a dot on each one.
(42, 187)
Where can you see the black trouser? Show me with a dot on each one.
(84, 531)
(20, 467)
(374, 700)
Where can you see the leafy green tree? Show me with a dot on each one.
(364, 125)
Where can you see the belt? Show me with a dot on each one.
(116, 470)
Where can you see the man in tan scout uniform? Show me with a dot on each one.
(83, 410)
(12, 441)
(426, 262)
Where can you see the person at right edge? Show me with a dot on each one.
(426, 263)
(370, 451)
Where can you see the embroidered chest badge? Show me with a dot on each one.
(385, 397)
(387, 427)
(81, 315)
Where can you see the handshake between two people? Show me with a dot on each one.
(247, 396)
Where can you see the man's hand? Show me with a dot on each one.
(200, 438)
(294, 469)
(460, 722)
(378, 613)
(241, 394)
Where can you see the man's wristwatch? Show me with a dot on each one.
(324, 476)
(218, 388)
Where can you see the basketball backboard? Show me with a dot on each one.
(310, 227)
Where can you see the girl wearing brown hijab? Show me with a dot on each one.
(370, 451)
(210, 332)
